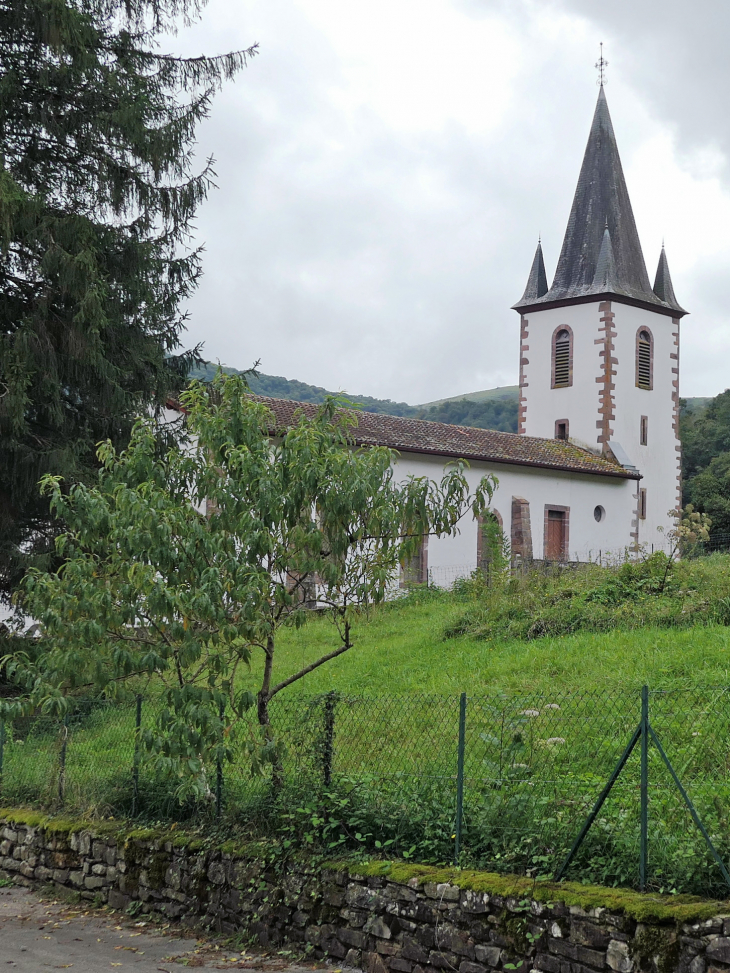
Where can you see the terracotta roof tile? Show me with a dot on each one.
(460, 442)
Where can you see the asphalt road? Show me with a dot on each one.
(39, 934)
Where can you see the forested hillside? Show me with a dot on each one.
(705, 434)
(499, 412)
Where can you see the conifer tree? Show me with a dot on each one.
(98, 187)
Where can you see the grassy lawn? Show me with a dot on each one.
(401, 649)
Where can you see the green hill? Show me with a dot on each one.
(488, 409)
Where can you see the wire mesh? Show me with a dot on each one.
(382, 773)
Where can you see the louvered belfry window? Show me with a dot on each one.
(561, 359)
(643, 360)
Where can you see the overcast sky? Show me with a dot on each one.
(385, 167)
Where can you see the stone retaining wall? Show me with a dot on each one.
(370, 922)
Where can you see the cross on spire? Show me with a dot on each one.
(602, 64)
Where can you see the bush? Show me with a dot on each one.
(561, 601)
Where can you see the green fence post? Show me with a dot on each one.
(644, 837)
(460, 778)
(135, 765)
(2, 750)
(329, 737)
(62, 760)
(219, 771)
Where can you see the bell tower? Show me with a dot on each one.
(599, 349)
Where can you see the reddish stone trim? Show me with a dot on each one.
(635, 522)
(674, 357)
(641, 510)
(606, 375)
(566, 530)
(524, 347)
(651, 359)
(521, 533)
(644, 431)
(558, 424)
(556, 332)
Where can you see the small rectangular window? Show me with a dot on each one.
(644, 431)
(561, 429)
(642, 504)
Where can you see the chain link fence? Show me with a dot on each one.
(501, 781)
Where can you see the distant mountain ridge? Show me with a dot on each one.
(486, 409)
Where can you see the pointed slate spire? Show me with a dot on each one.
(601, 203)
(604, 278)
(663, 283)
(537, 284)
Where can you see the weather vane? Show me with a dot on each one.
(601, 64)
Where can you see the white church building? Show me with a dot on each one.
(595, 466)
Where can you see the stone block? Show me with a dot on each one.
(547, 963)
(377, 926)
(98, 850)
(217, 873)
(586, 933)
(76, 878)
(362, 898)
(441, 960)
(373, 963)
(98, 869)
(43, 874)
(562, 947)
(488, 955)
(474, 902)
(10, 835)
(698, 965)
(352, 937)
(398, 963)
(26, 869)
(93, 882)
(60, 875)
(413, 950)
(618, 958)
(719, 949)
(352, 959)
(388, 949)
(173, 876)
(334, 896)
(468, 967)
(442, 891)
(313, 935)
(595, 958)
(117, 900)
(455, 941)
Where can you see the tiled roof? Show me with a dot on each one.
(460, 442)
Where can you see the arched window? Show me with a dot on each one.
(562, 358)
(644, 359)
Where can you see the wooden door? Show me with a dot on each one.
(555, 540)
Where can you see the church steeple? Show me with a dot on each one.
(537, 284)
(663, 283)
(601, 206)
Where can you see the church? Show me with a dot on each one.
(594, 469)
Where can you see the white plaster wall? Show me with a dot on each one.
(659, 460)
(579, 402)
(580, 492)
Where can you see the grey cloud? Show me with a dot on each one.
(346, 254)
